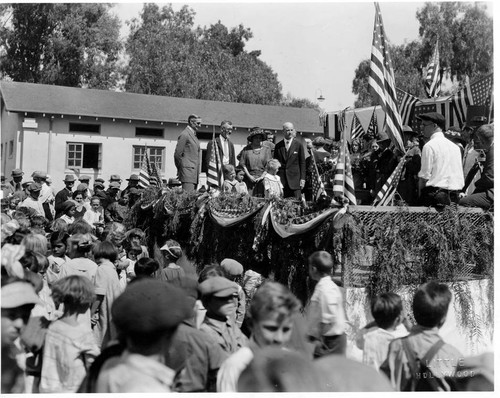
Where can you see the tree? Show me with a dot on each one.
(169, 56)
(63, 44)
(295, 102)
(465, 35)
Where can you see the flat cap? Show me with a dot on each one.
(433, 117)
(98, 185)
(39, 174)
(17, 173)
(232, 267)
(319, 141)
(34, 186)
(101, 180)
(133, 177)
(68, 204)
(218, 286)
(114, 185)
(17, 294)
(84, 178)
(82, 187)
(149, 306)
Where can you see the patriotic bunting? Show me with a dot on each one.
(386, 194)
(432, 80)
(343, 184)
(381, 80)
(215, 177)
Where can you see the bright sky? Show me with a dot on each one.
(313, 47)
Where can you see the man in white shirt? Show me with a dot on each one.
(441, 175)
(46, 197)
(32, 200)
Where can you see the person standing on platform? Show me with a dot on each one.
(291, 154)
(226, 147)
(187, 155)
(441, 174)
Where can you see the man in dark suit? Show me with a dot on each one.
(290, 153)
(226, 147)
(187, 155)
(64, 194)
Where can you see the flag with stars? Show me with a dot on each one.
(318, 188)
(215, 176)
(432, 80)
(381, 79)
(372, 131)
(343, 183)
(386, 194)
(357, 130)
(406, 104)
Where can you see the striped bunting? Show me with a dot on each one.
(318, 188)
(357, 130)
(215, 176)
(407, 104)
(432, 80)
(343, 184)
(460, 102)
(384, 197)
(144, 172)
(381, 80)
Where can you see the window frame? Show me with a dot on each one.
(138, 150)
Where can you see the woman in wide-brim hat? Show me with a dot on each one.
(254, 159)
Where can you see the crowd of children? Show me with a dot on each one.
(95, 312)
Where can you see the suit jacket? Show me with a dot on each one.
(293, 163)
(62, 196)
(187, 156)
(230, 145)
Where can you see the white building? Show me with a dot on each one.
(66, 130)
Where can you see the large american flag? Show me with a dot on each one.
(432, 80)
(407, 104)
(215, 177)
(357, 130)
(148, 175)
(381, 79)
(343, 184)
(386, 194)
(477, 93)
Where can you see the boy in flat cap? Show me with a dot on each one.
(32, 201)
(219, 296)
(146, 315)
(234, 271)
(441, 175)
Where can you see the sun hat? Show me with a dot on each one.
(17, 294)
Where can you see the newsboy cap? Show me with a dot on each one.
(34, 186)
(39, 174)
(218, 286)
(133, 177)
(84, 178)
(150, 306)
(232, 267)
(100, 180)
(114, 185)
(433, 117)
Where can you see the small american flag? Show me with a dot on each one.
(381, 79)
(343, 184)
(154, 178)
(318, 188)
(386, 194)
(215, 177)
(341, 121)
(372, 131)
(145, 172)
(432, 80)
(357, 130)
(407, 104)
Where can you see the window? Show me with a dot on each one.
(148, 132)
(155, 156)
(11, 148)
(82, 156)
(84, 128)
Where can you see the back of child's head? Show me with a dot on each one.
(273, 165)
(79, 227)
(430, 304)
(386, 307)
(75, 292)
(172, 249)
(105, 250)
(35, 242)
(79, 245)
(39, 222)
(59, 225)
(34, 261)
(322, 261)
(57, 237)
(145, 267)
(228, 169)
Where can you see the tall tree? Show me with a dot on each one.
(63, 44)
(169, 56)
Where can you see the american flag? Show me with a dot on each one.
(215, 177)
(148, 174)
(357, 130)
(381, 80)
(341, 121)
(477, 93)
(343, 184)
(318, 188)
(432, 80)
(384, 197)
(406, 105)
(372, 131)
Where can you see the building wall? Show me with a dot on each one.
(45, 147)
(10, 127)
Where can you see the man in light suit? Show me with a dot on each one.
(290, 153)
(187, 155)
(226, 147)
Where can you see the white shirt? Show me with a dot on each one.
(288, 143)
(225, 150)
(33, 204)
(328, 297)
(232, 368)
(442, 163)
(376, 344)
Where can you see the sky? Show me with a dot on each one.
(313, 47)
